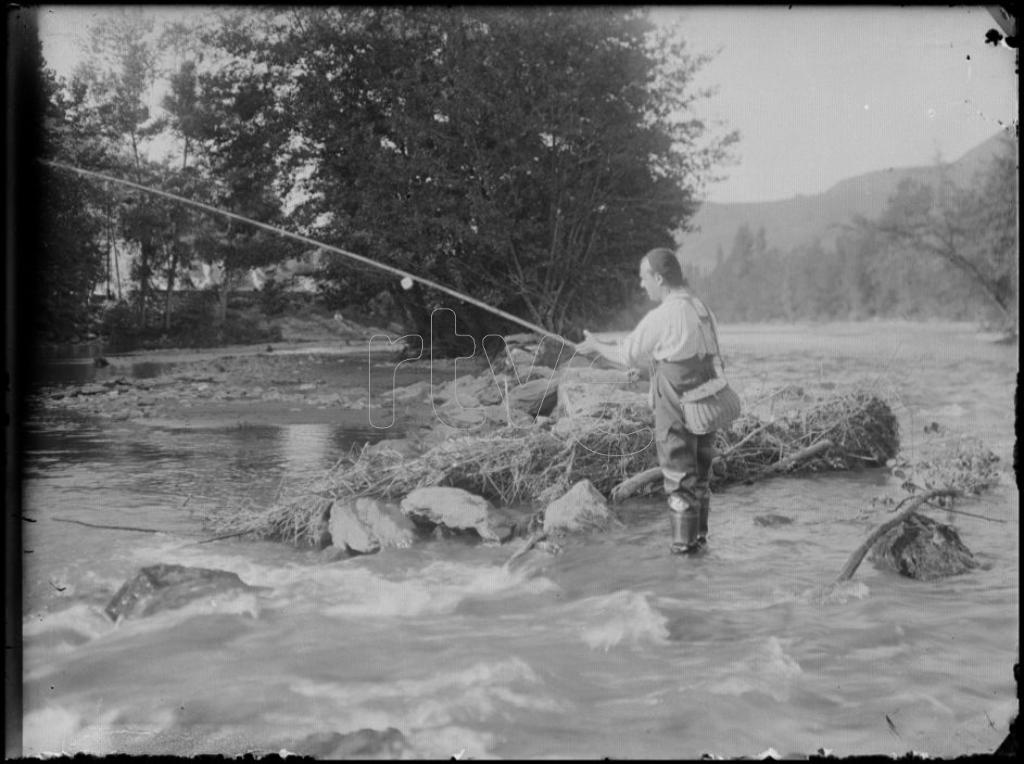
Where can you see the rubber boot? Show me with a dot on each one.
(702, 526)
(685, 521)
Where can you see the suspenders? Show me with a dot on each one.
(708, 332)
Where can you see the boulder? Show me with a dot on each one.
(535, 398)
(459, 415)
(417, 391)
(590, 392)
(465, 389)
(581, 509)
(923, 548)
(455, 509)
(333, 554)
(366, 525)
(494, 393)
(169, 587)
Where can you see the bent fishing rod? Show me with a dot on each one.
(311, 242)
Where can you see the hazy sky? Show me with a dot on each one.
(818, 93)
(821, 94)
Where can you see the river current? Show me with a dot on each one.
(613, 648)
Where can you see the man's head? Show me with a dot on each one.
(660, 273)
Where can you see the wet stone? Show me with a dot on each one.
(333, 554)
(924, 549)
(455, 509)
(366, 525)
(169, 587)
(582, 508)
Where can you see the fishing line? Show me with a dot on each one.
(314, 243)
(136, 529)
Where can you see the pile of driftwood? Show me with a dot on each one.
(843, 432)
(612, 447)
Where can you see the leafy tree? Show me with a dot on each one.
(524, 157)
(115, 85)
(232, 125)
(70, 260)
(972, 229)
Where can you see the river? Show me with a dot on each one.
(613, 648)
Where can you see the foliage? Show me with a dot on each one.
(192, 326)
(513, 155)
(70, 260)
(524, 157)
(939, 251)
(273, 299)
(972, 229)
(119, 326)
(965, 465)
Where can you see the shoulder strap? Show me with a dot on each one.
(710, 322)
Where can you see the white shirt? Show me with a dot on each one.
(669, 332)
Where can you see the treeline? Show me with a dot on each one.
(514, 155)
(938, 251)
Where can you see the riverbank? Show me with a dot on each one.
(320, 374)
(242, 385)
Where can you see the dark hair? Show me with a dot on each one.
(664, 262)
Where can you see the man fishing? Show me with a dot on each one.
(678, 339)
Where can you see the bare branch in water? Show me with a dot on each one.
(860, 552)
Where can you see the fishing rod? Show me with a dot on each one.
(312, 242)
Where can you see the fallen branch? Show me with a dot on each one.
(858, 555)
(806, 453)
(745, 438)
(632, 485)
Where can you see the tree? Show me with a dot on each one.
(115, 85)
(70, 259)
(525, 157)
(230, 115)
(972, 229)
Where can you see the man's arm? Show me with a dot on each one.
(610, 351)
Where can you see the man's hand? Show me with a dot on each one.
(589, 344)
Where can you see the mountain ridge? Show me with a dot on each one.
(790, 223)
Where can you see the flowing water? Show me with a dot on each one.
(613, 648)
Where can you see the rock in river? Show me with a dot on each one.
(454, 508)
(923, 548)
(537, 397)
(167, 587)
(581, 508)
(365, 525)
